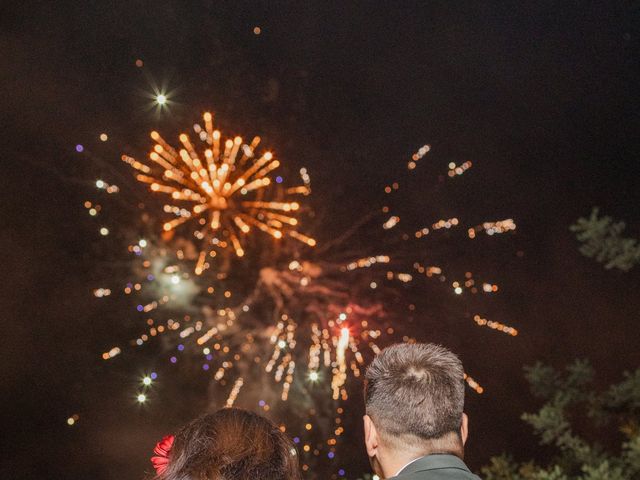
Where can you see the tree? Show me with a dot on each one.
(602, 239)
(569, 397)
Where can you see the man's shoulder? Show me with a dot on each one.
(436, 467)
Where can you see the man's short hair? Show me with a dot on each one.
(415, 390)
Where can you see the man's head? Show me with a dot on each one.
(414, 396)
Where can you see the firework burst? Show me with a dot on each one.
(222, 193)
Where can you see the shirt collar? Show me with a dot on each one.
(433, 461)
(406, 465)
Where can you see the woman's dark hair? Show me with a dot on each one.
(231, 444)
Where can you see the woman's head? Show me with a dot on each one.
(228, 445)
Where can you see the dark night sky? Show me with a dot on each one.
(541, 96)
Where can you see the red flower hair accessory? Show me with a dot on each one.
(160, 460)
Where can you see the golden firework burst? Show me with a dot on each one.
(222, 193)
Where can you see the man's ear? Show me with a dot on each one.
(370, 436)
(464, 428)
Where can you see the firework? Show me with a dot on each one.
(219, 194)
(308, 294)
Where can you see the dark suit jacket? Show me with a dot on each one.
(436, 467)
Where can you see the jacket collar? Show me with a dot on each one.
(434, 462)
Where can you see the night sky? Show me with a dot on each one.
(541, 96)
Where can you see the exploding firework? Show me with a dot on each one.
(220, 194)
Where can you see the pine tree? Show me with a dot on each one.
(568, 396)
(602, 239)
